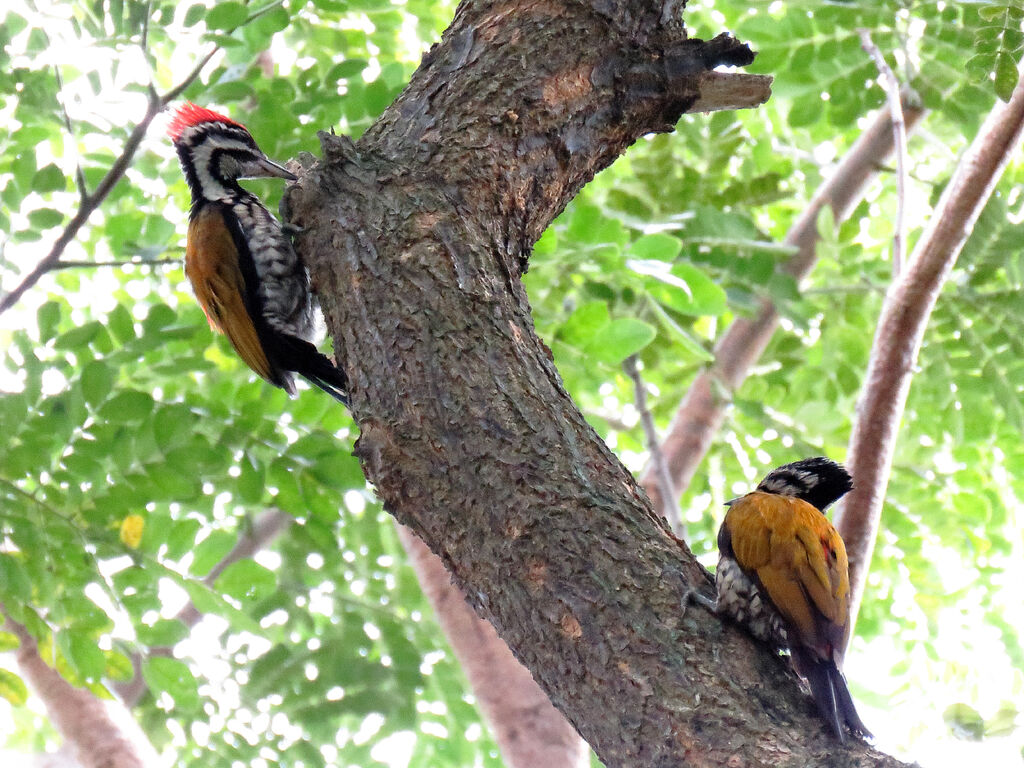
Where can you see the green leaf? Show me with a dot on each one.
(584, 323)
(49, 178)
(48, 318)
(78, 338)
(127, 407)
(247, 581)
(233, 90)
(14, 580)
(172, 424)
(806, 111)
(339, 470)
(274, 20)
(991, 12)
(121, 324)
(345, 69)
(44, 218)
(207, 601)
(12, 688)
(227, 15)
(8, 641)
(708, 298)
(181, 537)
(684, 288)
(377, 97)
(251, 481)
(660, 246)
(85, 655)
(210, 551)
(172, 677)
(163, 633)
(97, 381)
(119, 666)
(1003, 722)
(1006, 75)
(964, 721)
(194, 14)
(681, 335)
(621, 338)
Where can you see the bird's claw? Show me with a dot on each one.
(694, 595)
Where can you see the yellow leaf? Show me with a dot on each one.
(131, 530)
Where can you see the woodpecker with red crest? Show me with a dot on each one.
(783, 574)
(246, 276)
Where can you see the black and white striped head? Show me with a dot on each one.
(216, 152)
(818, 481)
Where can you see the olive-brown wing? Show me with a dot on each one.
(795, 554)
(212, 266)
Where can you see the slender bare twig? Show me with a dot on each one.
(144, 38)
(891, 86)
(83, 190)
(92, 201)
(114, 263)
(669, 508)
(613, 422)
(260, 11)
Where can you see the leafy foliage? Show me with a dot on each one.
(138, 451)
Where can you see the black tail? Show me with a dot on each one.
(295, 354)
(828, 687)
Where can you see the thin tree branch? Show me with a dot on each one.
(114, 263)
(703, 409)
(259, 12)
(891, 86)
(662, 475)
(613, 422)
(901, 326)
(91, 202)
(144, 37)
(83, 190)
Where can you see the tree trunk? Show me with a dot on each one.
(530, 732)
(416, 238)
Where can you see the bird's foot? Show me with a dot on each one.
(694, 595)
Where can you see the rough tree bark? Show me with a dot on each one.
(702, 411)
(416, 238)
(694, 426)
(901, 326)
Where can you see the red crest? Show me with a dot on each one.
(189, 114)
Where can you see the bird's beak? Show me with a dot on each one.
(730, 502)
(267, 167)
